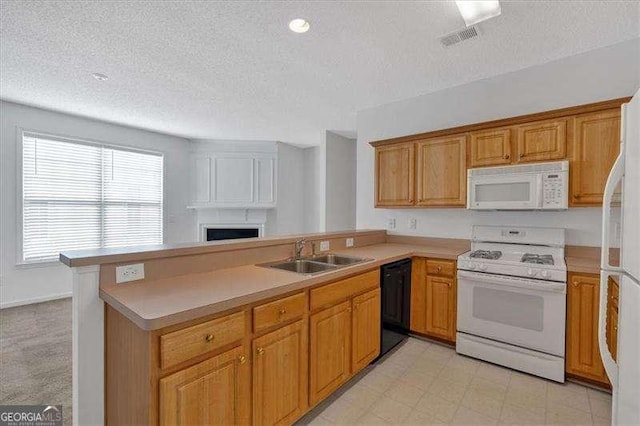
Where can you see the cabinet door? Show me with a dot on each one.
(213, 392)
(542, 141)
(442, 172)
(280, 375)
(490, 148)
(441, 307)
(583, 354)
(330, 350)
(596, 144)
(395, 175)
(365, 329)
(232, 180)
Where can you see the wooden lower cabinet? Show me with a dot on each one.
(612, 317)
(365, 329)
(434, 298)
(582, 353)
(280, 375)
(329, 350)
(265, 364)
(213, 392)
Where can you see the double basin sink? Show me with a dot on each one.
(317, 264)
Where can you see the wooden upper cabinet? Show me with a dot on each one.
(583, 354)
(442, 172)
(596, 144)
(490, 148)
(215, 391)
(365, 329)
(541, 141)
(329, 350)
(280, 375)
(395, 174)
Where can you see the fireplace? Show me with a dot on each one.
(216, 232)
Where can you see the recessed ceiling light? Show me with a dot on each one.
(100, 77)
(477, 11)
(299, 25)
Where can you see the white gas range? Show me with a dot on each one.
(512, 299)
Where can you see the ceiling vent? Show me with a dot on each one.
(458, 36)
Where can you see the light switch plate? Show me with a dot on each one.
(128, 273)
(324, 245)
(391, 223)
(349, 242)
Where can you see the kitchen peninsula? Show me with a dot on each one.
(190, 285)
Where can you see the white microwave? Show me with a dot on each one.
(538, 186)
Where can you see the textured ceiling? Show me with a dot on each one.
(232, 70)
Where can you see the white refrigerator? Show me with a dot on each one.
(621, 261)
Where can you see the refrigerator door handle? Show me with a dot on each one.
(617, 172)
(610, 365)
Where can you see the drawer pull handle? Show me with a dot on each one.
(282, 311)
(242, 359)
(209, 338)
(260, 351)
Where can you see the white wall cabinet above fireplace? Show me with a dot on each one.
(233, 180)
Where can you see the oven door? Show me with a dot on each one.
(505, 192)
(517, 311)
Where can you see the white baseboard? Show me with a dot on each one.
(30, 301)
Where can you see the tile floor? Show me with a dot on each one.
(423, 383)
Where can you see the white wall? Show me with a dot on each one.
(21, 283)
(313, 189)
(601, 74)
(340, 183)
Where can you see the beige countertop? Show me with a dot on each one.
(164, 302)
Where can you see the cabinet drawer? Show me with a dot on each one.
(441, 267)
(341, 290)
(278, 311)
(181, 345)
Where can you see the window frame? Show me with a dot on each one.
(20, 134)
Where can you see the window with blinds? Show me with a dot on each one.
(80, 195)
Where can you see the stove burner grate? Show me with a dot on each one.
(486, 254)
(540, 259)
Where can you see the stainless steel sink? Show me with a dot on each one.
(302, 266)
(315, 265)
(338, 259)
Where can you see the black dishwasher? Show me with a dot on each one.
(396, 298)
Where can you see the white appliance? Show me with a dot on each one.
(622, 216)
(512, 299)
(539, 186)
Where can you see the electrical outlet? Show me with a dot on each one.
(391, 223)
(349, 242)
(324, 245)
(413, 223)
(128, 273)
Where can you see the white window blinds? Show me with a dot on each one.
(84, 196)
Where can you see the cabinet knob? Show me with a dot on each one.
(448, 284)
(521, 155)
(260, 351)
(506, 156)
(439, 268)
(242, 359)
(282, 311)
(209, 338)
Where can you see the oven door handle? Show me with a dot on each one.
(500, 280)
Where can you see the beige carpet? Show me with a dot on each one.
(35, 355)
